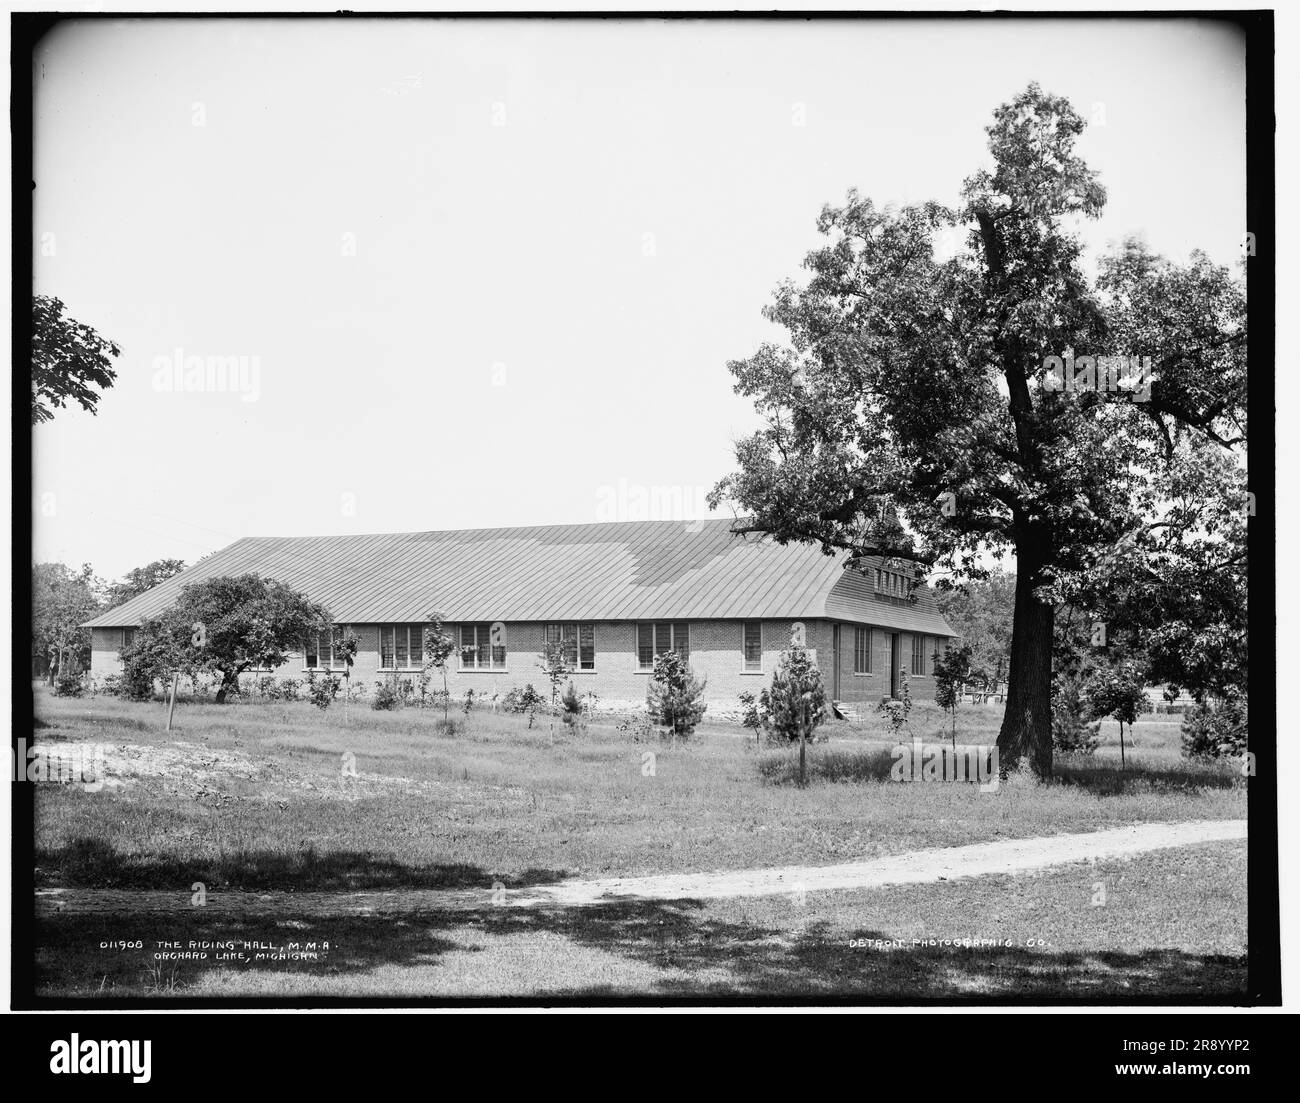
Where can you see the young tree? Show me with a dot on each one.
(1115, 689)
(918, 412)
(555, 665)
(346, 646)
(952, 670)
(675, 696)
(796, 700)
(753, 715)
(69, 360)
(439, 646)
(228, 625)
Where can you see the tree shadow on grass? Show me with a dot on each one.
(1108, 780)
(96, 863)
(675, 949)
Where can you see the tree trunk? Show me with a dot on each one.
(1027, 723)
(227, 681)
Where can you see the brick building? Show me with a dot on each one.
(614, 594)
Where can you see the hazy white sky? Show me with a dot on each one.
(491, 272)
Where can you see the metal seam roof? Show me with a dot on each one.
(697, 570)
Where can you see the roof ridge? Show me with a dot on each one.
(661, 522)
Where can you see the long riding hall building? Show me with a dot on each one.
(614, 594)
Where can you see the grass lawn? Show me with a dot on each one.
(254, 796)
(1172, 924)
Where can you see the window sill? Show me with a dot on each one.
(753, 673)
(482, 670)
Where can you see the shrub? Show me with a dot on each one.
(521, 700)
(69, 685)
(322, 691)
(468, 706)
(675, 696)
(1216, 730)
(136, 682)
(286, 690)
(1070, 733)
(639, 726)
(571, 703)
(896, 712)
(754, 714)
(111, 685)
(387, 697)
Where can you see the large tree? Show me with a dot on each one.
(62, 601)
(226, 626)
(69, 360)
(142, 579)
(916, 412)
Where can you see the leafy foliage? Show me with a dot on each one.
(897, 710)
(386, 698)
(555, 665)
(952, 670)
(322, 689)
(439, 646)
(70, 684)
(914, 381)
(224, 627)
(141, 580)
(62, 600)
(981, 611)
(753, 715)
(1216, 729)
(1116, 690)
(69, 361)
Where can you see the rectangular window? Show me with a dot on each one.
(128, 637)
(861, 650)
(645, 646)
(476, 650)
(660, 638)
(579, 642)
(401, 643)
(318, 650)
(753, 641)
(918, 654)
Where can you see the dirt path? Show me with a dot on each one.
(918, 867)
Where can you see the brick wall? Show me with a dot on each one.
(716, 653)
